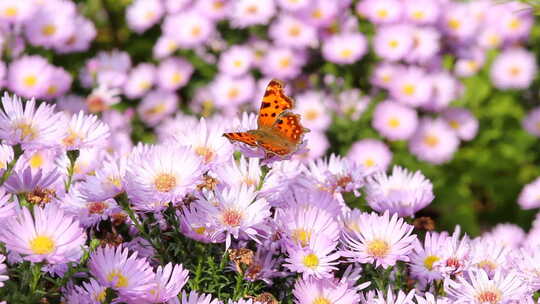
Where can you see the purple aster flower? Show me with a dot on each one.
(394, 120)
(52, 24)
(455, 253)
(26, 181)
(462, 121)
(510, 235)
(312, 106)
(413, 87)
(101, 98)
(164, 47)
(345, 48)
(263, 267)
(173, 73)
(140, 80)
(351, 103)
(529, 198)
(531, 122)
(393, 42)
(320, 13)
(434, 141)
(156, 106)
(230, 92)
(8, 206)
(373, 154)
(421, 11)
(169, 281)
(107, 69)
(143, 14)
(312, 290)
(47, 235)
(283, 63)
(446, 88)
(89, 212)
(512, 20)
(194, 223)
(318, 259)
(236, 61)
(236, 212)
(131, 276)
(513, 69)
(380, 240)
(79, 40)
(29, 76)
(85, 132)
(60, 83)
(476, 287)
(380, 11)
(426, 45)
(16, 12)
(425, 255)
(154, 178)
(290, 31)
(234, 173)
(85, 294)
(216, 10)
(458, 21)
(252, 12)
(336, 175)
(402, 192)
(489, 255)
(189, 28)
(385, 73)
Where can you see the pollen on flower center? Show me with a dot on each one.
(454, 124)
(233, 93)
(409, 89)
(393, 122)
(96, 207)
(431, 140)
(311, 260)
(382, 13)
(158, 109)
(321, 300)
(165, 182)
(489, 296)
(27, 131)
(285, 63)
(454, 24)
(487, 265)
(317, 14)
(294, 31)
(176, 78)
(48, 30)
(119, 279)
(30, 81)
(418, 15)
(36, 161)
(378, 248)
(369, 162)
(195, 31)
(453, 262)
(429, 261)
(71, 139)
(514, 71)
(232, 218)
(252, 9)
(301, 235)
(515, 24)
(100, 296)
(42, 244)
(11, 11)
(206, 153)
(393, 44)
(312, 114)
(346, 53)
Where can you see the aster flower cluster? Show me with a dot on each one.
(143, 226)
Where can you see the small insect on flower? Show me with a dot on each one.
(279, 131)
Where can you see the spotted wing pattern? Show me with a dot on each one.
(273, 104)
(244, 137)
(288, 127)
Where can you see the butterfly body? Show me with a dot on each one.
(279, 131)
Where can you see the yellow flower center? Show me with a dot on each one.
(487, 265)
(489, 296)
(302, 236)
(311, 261)
(232, 218)
(27, 131)
(52, 89)
(382, 13)
(409, 89)
(249, 181)
(369, 162)
(42, 244)
(312, 114)
(252, 9)
(30, 81)
(378, 248)
(233, 93)
(514, 71)
(150, 15)
(176, 78)
(429, 261)
(165, 182)
(346, 53)
(48, 30)
(195, 31)
(454, 24)
(71, 139)
(11, 11)
(199, 230)
(155, 110)
(100, 296)
(514, 24)
(494, 40)
(284, 62)
(36, 161)
(418, 15)
(431, 140)
(115, 181)
(121, 280)
(144, 85)
(393, 122)
(295, 31)
(317, 14)
(393, 43)
(237, 63)
(454, 124)
(321, 300)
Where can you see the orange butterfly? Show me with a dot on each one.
(279, 131)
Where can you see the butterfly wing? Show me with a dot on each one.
(273, 104)
(243, 137)
(289, 128)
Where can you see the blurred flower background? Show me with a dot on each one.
(442, 94)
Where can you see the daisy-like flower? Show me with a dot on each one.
(434, 141)
(294, 5)
(351, 103)
(394, 120)
(52, 24)
(455, 254)
(131, 276)
(234, 173)
(529, 197)
(510, 235)
(29, 76)
(513, 69)
(216, 10)
(251, 12)
(336, 174)
(424, 256)
(154, 177)
(156, 106)
(345, 48)
(107, 181)
(446, 88)
(236, 213)
(426, 45)
(402, 192)
(318, 259)
(143, 14)
(373, 154)
(531, 122)
(169, 281)
(476, 287)
(385, 73)
(59, 84)
(458, 21)
(393, 42)
(173, 73)
(462, 121)
(48, 235)
(101, 98)
(489, 254)
(412, 87)
(189, 28)
(230, 92)
(27, 180)
(290, 31)
(140, 80)
(85, 132)
(79, 40)
(236, 61)
(283, 63)
(312, 106)
(14, 11)
(421, 11)
(196, 298)
(380, 11)
(89, 292)
(381, 240)
(312, 290)
(23, 123)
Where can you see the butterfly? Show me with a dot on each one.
(279, 131)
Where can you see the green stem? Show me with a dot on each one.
(36, 276)
(72, 155)
(9, 168)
